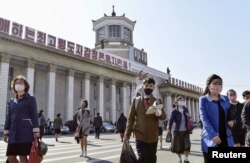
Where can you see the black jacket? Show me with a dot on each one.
(235, 113)
(122, 120)
(98, 121)
(245, 115)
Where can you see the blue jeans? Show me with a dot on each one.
(146, 152)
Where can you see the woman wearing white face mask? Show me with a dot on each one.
(214, 110)
(21, 123)
(181, 137)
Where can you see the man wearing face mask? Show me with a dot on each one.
(146, 125)
(235, 114)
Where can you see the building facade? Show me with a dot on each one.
(59, 78)
(62, 72)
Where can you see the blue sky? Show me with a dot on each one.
(195, 38)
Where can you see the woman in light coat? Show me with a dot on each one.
(83, 120)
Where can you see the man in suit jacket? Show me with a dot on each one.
(146, 125)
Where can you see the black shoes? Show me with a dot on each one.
(186, 161)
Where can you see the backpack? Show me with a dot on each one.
(137, 99)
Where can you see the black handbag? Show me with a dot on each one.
(168, 137)
(127, 154)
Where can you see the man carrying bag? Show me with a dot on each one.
(146, 125)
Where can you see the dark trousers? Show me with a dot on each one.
(205, 157)
(41, 128)
(97, 132)
(146, 152)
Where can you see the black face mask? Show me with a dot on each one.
(148, 91)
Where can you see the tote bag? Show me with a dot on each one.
(34, 156)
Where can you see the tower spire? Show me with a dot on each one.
(113, 13)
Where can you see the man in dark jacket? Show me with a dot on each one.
(121, 123)
(97, 125)
(235, 114)
(246, 116)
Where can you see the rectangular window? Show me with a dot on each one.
(114, 31)
(101, 34)
(127, 34)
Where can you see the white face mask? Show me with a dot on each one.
(182, 103)
(19, 87)
(215, 89)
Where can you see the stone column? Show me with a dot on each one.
(198, 110)
(125, 99)
(133, 87)
(106, 32)
(86, 93)
(51, 76)
(189, 106)
(168, 105)
(70, 95)
(193, 109)
(4, 85)
(122, 32)
(101, 96)
(113, 100)
(30, 74)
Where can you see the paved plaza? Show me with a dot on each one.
(105, 150)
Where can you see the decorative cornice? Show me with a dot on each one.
(57, 51)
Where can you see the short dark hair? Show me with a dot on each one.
(85, 101)
(148, 81)
(97, 113)
(231, 90)
(246, 92)
(58, 115)
(26, 83)
(179, 97)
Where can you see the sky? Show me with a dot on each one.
(194, 38)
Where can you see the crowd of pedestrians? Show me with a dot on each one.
(225, 122)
